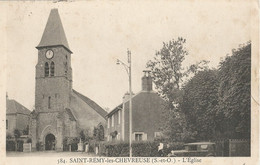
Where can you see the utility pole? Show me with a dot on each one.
(128, 70)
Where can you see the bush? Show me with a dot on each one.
(73, 142)
(176, 146)
(65, 144)
(145, 149)
(10, 145)
(20, 145)
(139, 149)
(8, 136)
(120, 149)
(29, 140)
(39, 146)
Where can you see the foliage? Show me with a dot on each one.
(85, 136)
(65, 144)
(145, 149)
(199, 104)
(10, 145)
(120, 149)
(234, 93)
(72, 142)
(167, 68)
(82, 135)
(39, 146)
(98, 133)
(20, 145)
(26, 130)
(29, 140)
(17, 133)
(203, 104)
(139, 149)
(8, 136)
(168, 76)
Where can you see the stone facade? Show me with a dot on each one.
(59, 111)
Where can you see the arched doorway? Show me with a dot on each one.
(50, 142)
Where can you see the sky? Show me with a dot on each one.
(99, 32)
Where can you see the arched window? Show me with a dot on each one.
(52, 68)
(46, 69)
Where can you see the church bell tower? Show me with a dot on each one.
(53, 86)
(53, 70)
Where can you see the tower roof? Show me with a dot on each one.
(54, 34)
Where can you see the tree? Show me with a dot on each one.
(98, 133)
(167, 69)
(168, 76)
(85, 135)
(17, 134)
(235, 93)
(199, 104)
(26, 130)
(82, 135)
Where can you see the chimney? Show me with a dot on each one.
(147, 81)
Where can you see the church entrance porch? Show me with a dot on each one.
(50, 142)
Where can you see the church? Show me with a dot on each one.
(60, 111)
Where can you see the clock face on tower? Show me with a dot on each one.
(49, 54)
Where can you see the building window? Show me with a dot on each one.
(52, 68)
(138, 137)
(112, 122)
(6, 124)
(119, 116)
(49, 102)
(157, 134)
(46, 68)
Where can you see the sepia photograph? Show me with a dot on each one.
(127, 82)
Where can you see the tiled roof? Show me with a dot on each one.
(92, 104)
(13, 107)
(54, 34)
(120, 106)
(140, 95)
